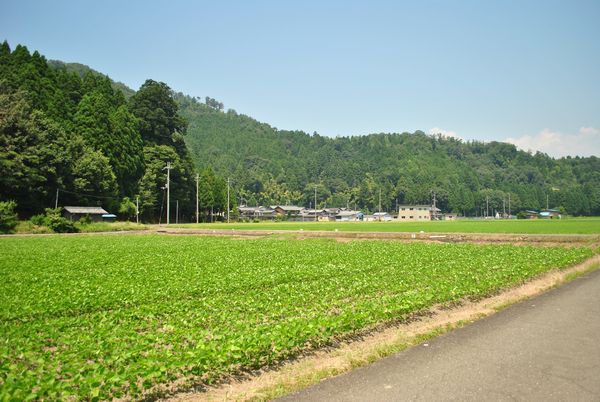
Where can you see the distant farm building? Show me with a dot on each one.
(348, 216)
(418, 213)
(382, 216)
(94, 213)
(260, 213)
(550, 214)
(532, 214)
(290, 211)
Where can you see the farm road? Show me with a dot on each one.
(543, 349)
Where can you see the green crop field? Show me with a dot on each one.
(553, 226)
(107, 316)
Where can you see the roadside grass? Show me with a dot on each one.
(299, 379)
(26, 227)
(590, 225)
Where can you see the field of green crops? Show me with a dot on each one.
(525, 226)
(105, 316)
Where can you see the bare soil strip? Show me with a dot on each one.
(314, 367)
(407, 236)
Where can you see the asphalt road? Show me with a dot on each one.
(543, 349)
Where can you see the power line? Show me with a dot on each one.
(84, 195)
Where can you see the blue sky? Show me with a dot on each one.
(522, 71)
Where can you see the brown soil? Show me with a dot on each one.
(321, 364)
(546, 239)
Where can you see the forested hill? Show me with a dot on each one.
(75, 135)
(275, 166)
(81, 70)
(63, 125)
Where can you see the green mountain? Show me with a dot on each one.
(270, 166)
(71, 104)
(81, 70)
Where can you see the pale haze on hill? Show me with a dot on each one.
(525, 72)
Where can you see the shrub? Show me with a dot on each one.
(521, 215)
(85, 220)
(38, 220)
(8, 216)
(58, 223)
(127, 209)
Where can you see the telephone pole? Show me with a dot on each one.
(380, 200)
(197, 180)
(56, 202)
(177, 212)
(487, 206)
(228, 200)
(503, 207)
(137, 209)
(315, 203)
(168, 189)
(509, 205)
(546, 202)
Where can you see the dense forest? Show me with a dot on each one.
(70, 136)
(67, 127)
(271, 166)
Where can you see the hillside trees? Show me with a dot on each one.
(408, 167)
(67, 127)
(73, 132)
(162, 130)
(34, 153)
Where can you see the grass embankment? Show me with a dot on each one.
(26, 227)
(106, 317)
(541, 226)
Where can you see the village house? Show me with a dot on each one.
(414, 212)
(290, 211)
(260, 213)
(382, 216)
(419, 213)
(348, 216)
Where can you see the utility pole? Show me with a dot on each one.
(509, 205)
(315, 203)
(379, 199)
(487, 206)
(228, 200)
(197, 180)
(168, 190)
(137, 209)
(546, 202)
(503, 207)
(56, 202)
(177, 211)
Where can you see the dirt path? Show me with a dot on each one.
(311, 369)
(542, 239)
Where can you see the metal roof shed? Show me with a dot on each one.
(76, 213)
